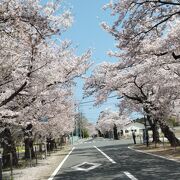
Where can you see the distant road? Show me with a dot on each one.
(101, 159)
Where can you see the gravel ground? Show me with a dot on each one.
(44, 168)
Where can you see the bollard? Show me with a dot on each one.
(0, 166)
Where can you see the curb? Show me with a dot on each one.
(154, 155)
(60, 165)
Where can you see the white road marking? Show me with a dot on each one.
(60, 165)
(79, 168)
(87, 142)
(154, 155)
(129, 175)
(105, 155)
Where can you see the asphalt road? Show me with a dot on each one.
(107, 159)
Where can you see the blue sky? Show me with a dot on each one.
(86, 33)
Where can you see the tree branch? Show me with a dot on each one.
(12, 96)
(133, 98)
(175, 56)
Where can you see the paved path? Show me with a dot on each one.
(106, 159)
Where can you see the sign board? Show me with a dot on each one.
(43, 119)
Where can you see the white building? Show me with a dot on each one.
(133, 126)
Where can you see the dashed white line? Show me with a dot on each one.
(129, 175)
(60, 165)
(111, 160)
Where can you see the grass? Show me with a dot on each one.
(20, 149)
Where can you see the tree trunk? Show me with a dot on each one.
(154, 128)
(40, 147)
(169, 135)
(155, 133)
(8, 146)
(29, 150)
(165, 129)
(115, 132)
(100, 134)
(28, 141)
(48, 144)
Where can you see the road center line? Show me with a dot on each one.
(112, 161)
(130, 175)
(60, 165)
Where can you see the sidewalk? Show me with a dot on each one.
(44, 168)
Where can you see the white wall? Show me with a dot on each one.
(137, 127)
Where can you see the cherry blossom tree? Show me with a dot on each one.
(108, 120)
(147, 36)
(139, 22)
(91, 128)
(149, 85)
(37, 68)
(24, 30)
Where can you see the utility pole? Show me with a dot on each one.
(80, 124)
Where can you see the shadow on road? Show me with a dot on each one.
(142, 166)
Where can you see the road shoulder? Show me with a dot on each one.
(44, 168)
(168, 153)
